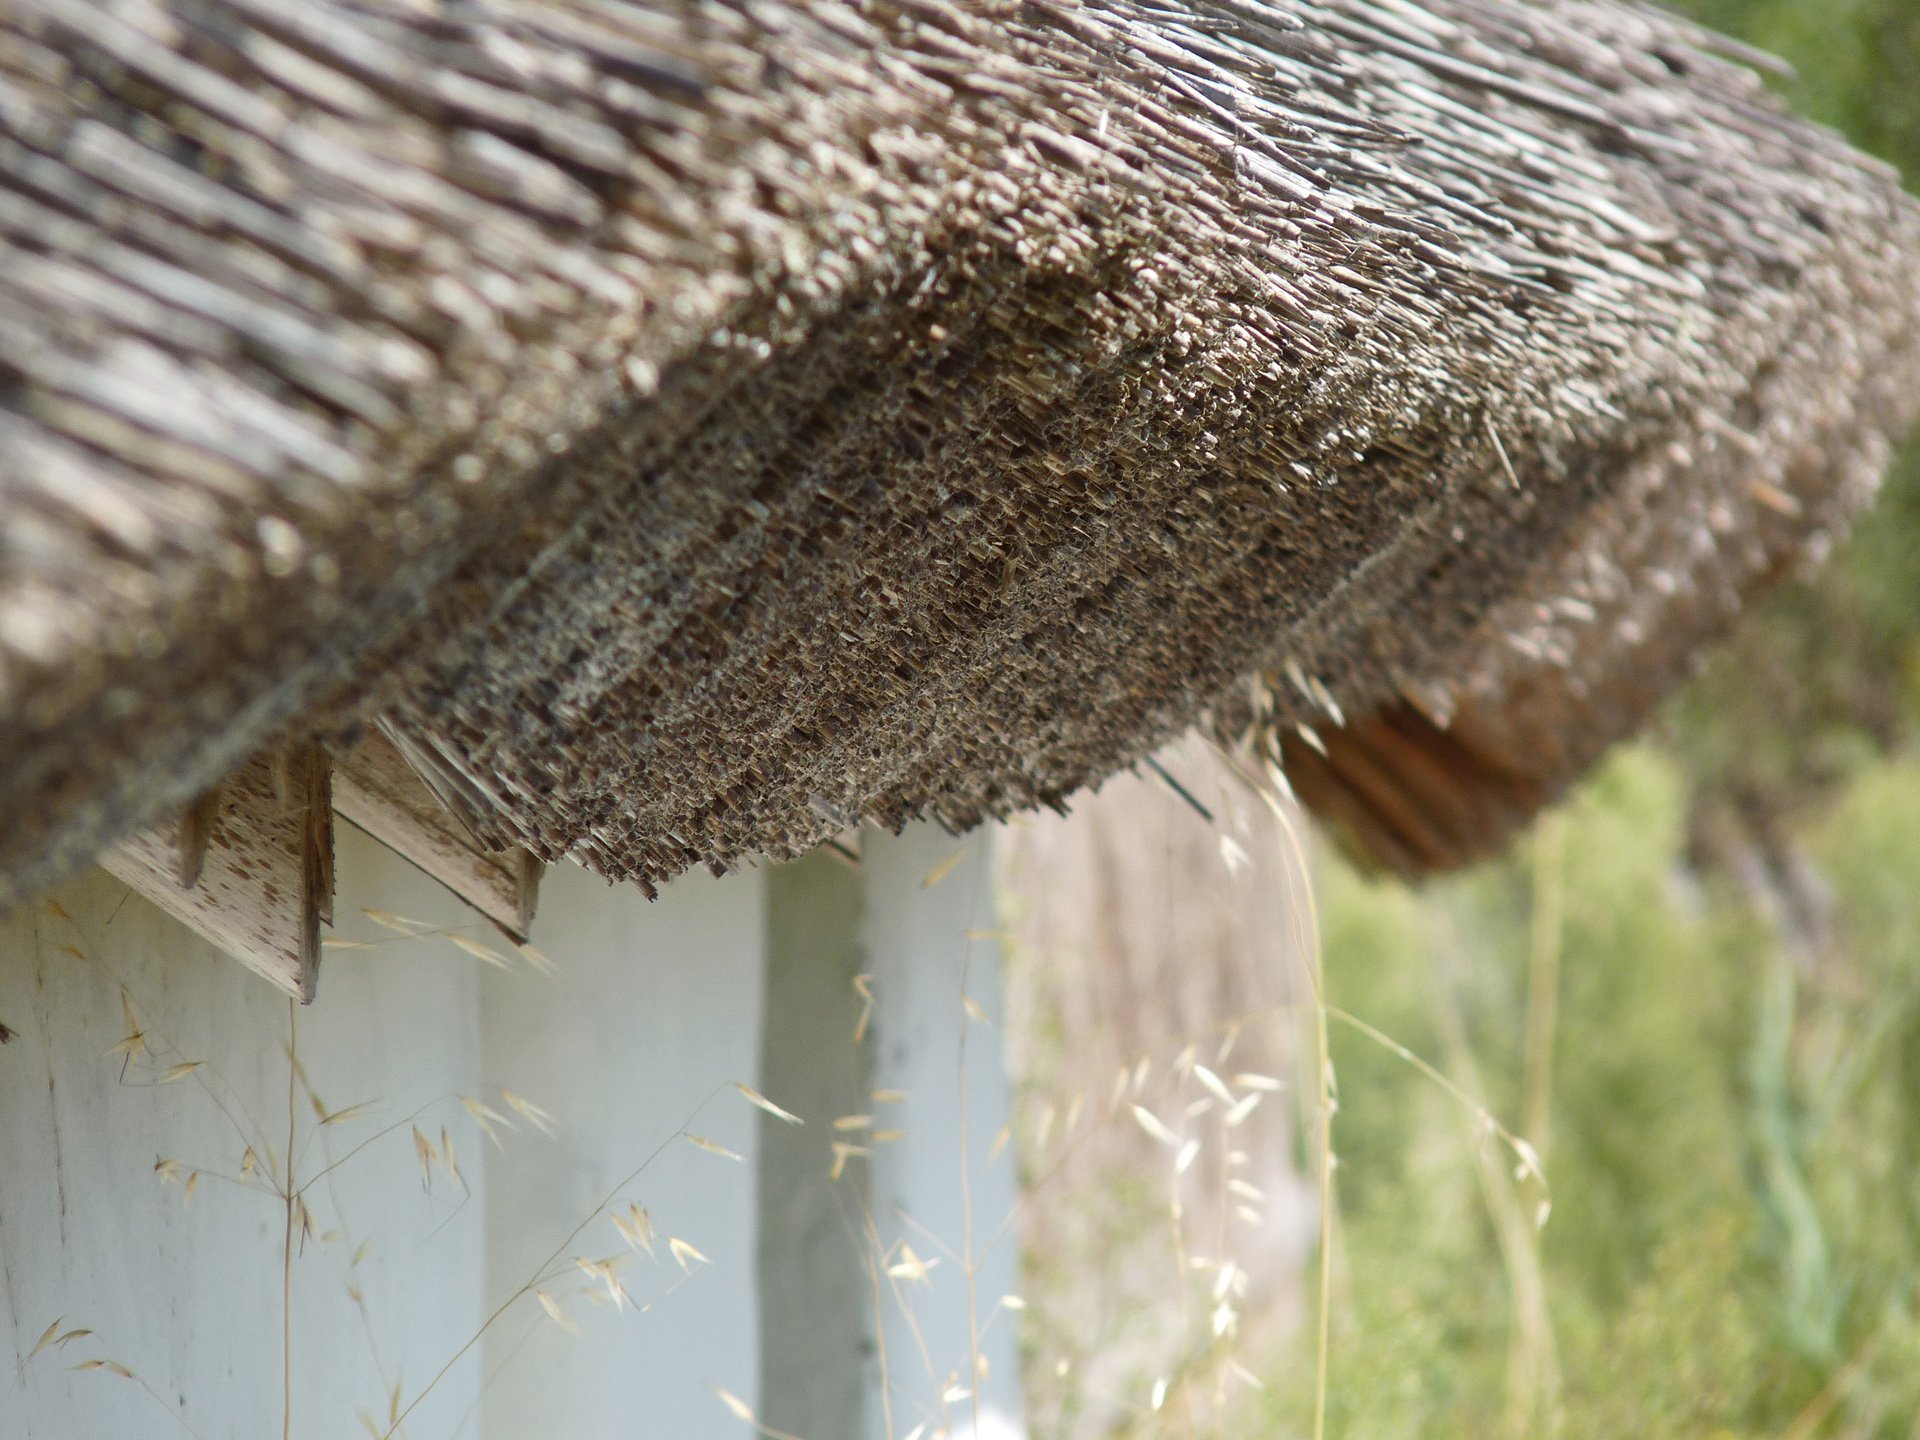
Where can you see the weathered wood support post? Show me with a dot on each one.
(881, 1290)
(944, 1193)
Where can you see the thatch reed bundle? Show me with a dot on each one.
(688, 428)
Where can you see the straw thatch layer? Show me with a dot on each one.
(693, 427)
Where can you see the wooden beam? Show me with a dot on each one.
(376, 788)
(249, 866)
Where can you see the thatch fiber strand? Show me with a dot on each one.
(690, 428)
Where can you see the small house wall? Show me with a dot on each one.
(948, 1185)
(630, 1047)
(186, 1291)
(654, 1015)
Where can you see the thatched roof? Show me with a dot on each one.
(689, 428)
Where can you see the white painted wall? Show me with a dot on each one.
(931, 949)
(858, 1342)
(654, 1012)
(652, 1018)
(188, 1295)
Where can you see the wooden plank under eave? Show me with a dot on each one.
(251, 871)
(375, 788)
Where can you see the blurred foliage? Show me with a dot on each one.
(1857, 64)
(1823, 675)
(1734, 1243)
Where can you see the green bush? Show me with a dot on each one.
(1735, 1234)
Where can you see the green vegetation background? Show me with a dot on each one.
(1734, 1151)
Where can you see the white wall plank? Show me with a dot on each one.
(188, 1296)
(927, 947)
(655, 1013)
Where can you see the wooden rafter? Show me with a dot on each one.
(248, 866)
(376, 789)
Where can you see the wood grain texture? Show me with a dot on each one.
(376, 789)
(265, 867)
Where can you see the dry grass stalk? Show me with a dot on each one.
(1152, 969)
